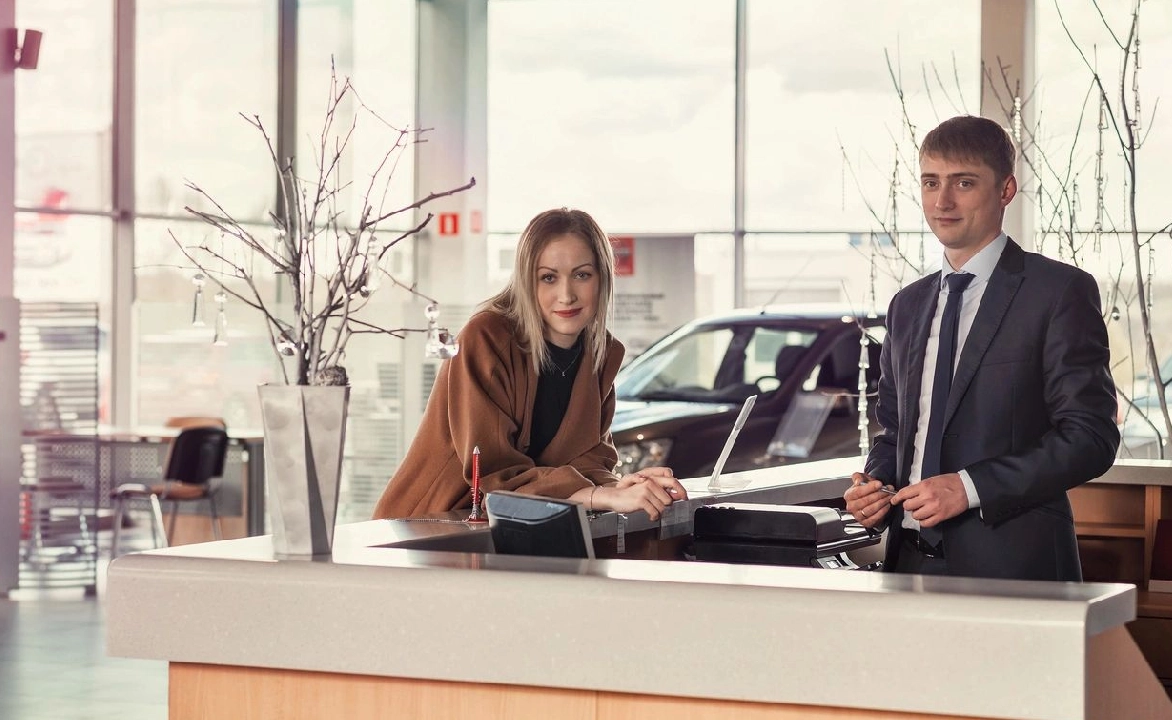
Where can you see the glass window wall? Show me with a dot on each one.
(838, 97)
(64, 108)
(180, 368)
(622, 108)
(202, 72)
(64, 160)
(371, 42)
(1083, 188)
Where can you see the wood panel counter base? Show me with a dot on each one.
(203, 692)
(1119, 684)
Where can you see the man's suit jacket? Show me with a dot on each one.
(1030, 414)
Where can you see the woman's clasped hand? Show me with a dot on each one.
(651, 489)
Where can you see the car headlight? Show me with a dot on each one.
(644, 453)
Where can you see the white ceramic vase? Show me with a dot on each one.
(305, 433)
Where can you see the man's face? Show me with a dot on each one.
(964, 203)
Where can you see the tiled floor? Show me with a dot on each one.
(53, 662)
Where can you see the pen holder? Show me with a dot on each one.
(478, 515)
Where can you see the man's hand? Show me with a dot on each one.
(934, 500)
(866, 501)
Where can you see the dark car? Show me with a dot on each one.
(678, 400)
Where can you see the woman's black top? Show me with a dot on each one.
(553, 394)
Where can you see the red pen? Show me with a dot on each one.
(476, 514)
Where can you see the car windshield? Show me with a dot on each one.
(714, 364)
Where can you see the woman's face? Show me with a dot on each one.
(567, 288)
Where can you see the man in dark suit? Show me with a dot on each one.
(995, 396)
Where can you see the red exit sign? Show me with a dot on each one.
(449, 223)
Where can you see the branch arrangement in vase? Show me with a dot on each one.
(329, 260)
(1098, 144)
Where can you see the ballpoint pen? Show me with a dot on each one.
(882, 488)
(714, 481)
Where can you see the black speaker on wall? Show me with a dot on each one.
(30, 50)
(24, 54)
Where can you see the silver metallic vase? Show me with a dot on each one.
(305, 432)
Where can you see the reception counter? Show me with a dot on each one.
(384, 629)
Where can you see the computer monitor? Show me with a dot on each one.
(531, 525)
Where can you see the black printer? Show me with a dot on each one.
(778, 535)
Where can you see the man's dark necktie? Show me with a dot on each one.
(945, 361)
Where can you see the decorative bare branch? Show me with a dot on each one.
(329, 263)
(1110, 124)
(1058, 194)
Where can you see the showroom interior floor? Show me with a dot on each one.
(53, 663)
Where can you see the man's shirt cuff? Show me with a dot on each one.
(970, 489)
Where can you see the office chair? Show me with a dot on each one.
(196, 457)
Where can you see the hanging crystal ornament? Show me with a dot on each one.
(221, 336)
(279, 245)
(864, 420)
(872, 293)
(285, 346)
(367, 282)
(447, 345)
(370, 280)
(440, 343)
(1137, 114)
(197, 304)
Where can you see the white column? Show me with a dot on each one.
(10, 424)
(452, 100)
(740, 79)
(123, 365)
(1007, 41)
(10, 421)
(7, 150)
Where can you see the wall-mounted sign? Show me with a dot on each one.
(655, 287)
(449, 223)
(624, 255)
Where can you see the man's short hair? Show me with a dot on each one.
(975, 139)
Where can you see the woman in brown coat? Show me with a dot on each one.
(533, 388)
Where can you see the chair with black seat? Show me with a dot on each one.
(196, 459)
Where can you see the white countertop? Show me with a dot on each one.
(738, 632)
(1138, 472)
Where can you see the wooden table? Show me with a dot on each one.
(137, 455)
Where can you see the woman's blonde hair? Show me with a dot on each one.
(518, 301)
